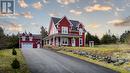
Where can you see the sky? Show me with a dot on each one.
(97, 16)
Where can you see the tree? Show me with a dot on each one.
(125, 37)
(14, 51)
(2, 39)
(108, 39)
(90, 37)
(43, 32)
(15, 64)
(8, 41)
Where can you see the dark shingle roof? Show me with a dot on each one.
(74, 23)
(55, 20)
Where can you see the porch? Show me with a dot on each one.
(63, 40)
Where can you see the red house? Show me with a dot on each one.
(29, 40)
(64, 32)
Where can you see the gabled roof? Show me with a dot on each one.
(56, 20)
(74, 23)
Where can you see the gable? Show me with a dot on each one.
(64, 22)
(52, 28)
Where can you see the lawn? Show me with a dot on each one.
(6, 59)
(120, 51)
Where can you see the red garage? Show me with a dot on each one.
(29, 40)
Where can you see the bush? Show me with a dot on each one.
(15, 64)
(14, 51)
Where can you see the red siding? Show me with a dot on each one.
(77, 42)
(63, 22)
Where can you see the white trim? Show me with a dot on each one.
(64, 30)
(80, 39)
(73, 42)
(80, 31)
(62, 19)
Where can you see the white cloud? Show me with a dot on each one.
(15, 27)
(76, 12)
(66, 2)
(97, 7)
(93, 26)
(11, 26)
(22, 3)
(116, 21)
(37, 5)
(54, 14)
(119, 9)
(27, 15)
(45, 1)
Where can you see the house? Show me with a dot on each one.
(29, 40)
(65, 32)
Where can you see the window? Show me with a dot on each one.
(65, 41)
(27, 38)
(64, 30)
(80, 41)
(80, 31)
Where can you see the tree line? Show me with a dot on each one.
(109, 39)
(8, 41)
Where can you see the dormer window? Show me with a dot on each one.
(64, 30)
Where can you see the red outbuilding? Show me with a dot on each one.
(29, 40)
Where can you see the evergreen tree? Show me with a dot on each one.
(14, 51)
(15, 64)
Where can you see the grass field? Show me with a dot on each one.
(6, 59)
(120, 51)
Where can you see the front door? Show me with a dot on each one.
(73, 41)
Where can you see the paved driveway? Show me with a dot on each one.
(46, 61)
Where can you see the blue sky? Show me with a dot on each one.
(98, 16)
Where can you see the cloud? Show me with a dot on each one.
(97, 7)
(22, 4)
(15, 27)
(76, 12)
(66, 2)
(116, 21)
(27, 15)
(54, 14)
(37, 5)
(119, 9)
(11, 26)
(93, 26)
(120, 22)
(45, 1)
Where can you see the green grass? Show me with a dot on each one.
(6, 58)
(104, 64)
(121, 51)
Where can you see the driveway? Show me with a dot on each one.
(46, 61)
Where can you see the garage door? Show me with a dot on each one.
(27, 45)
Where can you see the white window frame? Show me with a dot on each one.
(64, 30)
(65, 40)
(80, 41)
(80, 31)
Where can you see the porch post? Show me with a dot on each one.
(53, 40)
(49, 41)
(60, 41)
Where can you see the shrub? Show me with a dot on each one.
(15, 64)
(14, 51)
